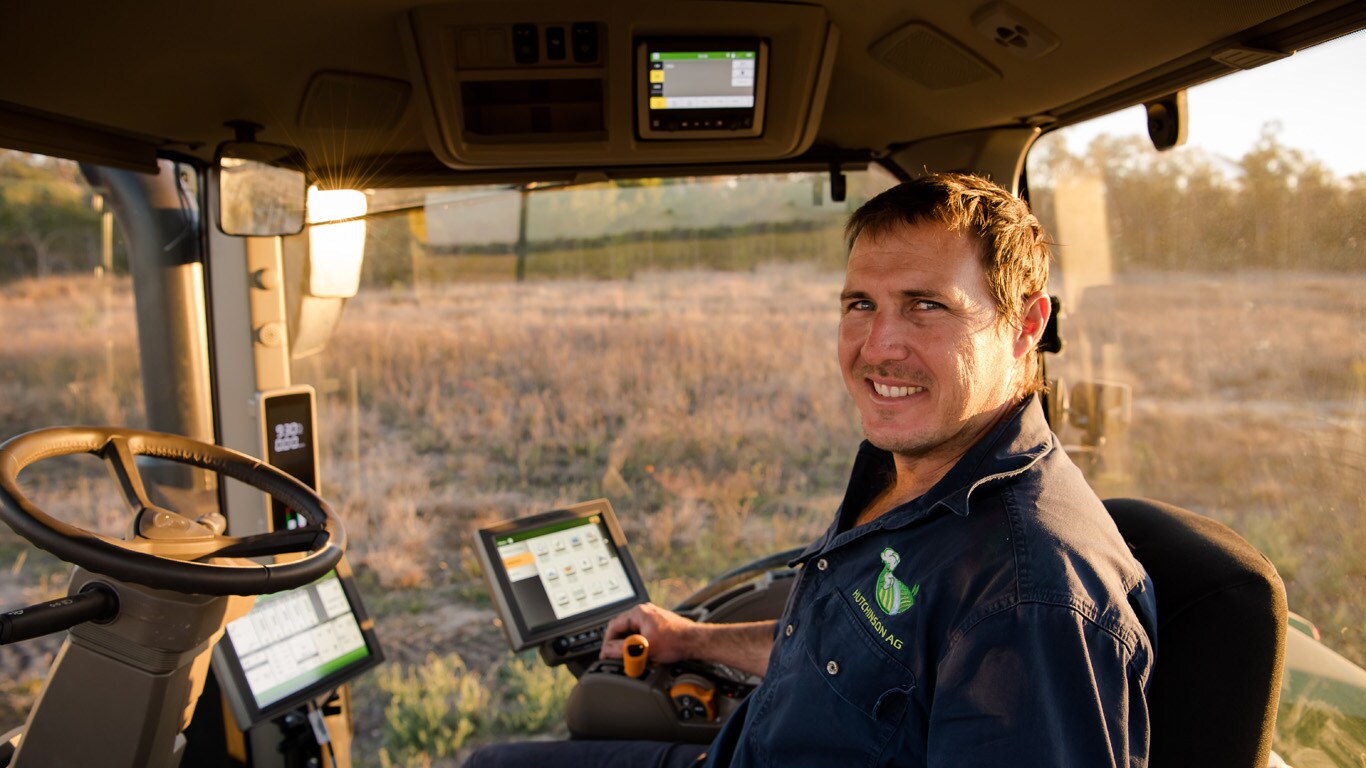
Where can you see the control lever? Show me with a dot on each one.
(95, 602)
(634, 653)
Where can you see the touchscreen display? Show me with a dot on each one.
(291, 640)
(561, 570)
(702, 79)
(701, 88)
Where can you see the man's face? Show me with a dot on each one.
(922, 353)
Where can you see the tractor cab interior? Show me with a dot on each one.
(327, 328)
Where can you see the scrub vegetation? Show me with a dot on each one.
(435, 707)
(689, 376)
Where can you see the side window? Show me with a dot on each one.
(69, 356)
(1216, 334)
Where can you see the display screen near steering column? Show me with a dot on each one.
(294, 646)
(560, 572)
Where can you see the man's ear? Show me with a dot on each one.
(1034, 314)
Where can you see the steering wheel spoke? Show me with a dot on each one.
(266, 544)
(122, 464)
(184, 550)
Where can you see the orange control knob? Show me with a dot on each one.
(693, 695)
(634, 652)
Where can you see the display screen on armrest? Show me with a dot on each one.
(560, 571)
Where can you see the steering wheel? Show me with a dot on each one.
(168, 550)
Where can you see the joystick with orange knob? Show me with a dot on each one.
(635, 651)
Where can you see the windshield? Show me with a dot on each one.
(666, 344)
(1216, 340)
(654, 342)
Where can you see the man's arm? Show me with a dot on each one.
(674, 638)
(1040, 685)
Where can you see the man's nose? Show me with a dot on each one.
(888, 339)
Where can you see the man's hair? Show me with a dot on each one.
(1014, 246)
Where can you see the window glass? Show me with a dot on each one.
(667, 344)
(1216, 335)
(69, 356)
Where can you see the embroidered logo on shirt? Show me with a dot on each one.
(893, 597)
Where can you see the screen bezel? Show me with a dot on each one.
(519, 636)
(645, 116)
(232, 678)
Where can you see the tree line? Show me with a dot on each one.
(1276, 207)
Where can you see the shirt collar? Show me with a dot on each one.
(1014, 445)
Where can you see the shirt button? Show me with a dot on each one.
(821, 564)
(788, 631)
(832, 667)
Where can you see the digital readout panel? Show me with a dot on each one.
(287, 422)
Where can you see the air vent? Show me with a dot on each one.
(1247, 58)
(543, 109)
(1014, 30)
(931, 58)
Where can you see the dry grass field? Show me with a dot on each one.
(1249, 395)
(707, 407)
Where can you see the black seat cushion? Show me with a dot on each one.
(1221, 621)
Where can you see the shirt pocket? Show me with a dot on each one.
(850, 651)
(838, 700)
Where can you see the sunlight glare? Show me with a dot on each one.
(335, 249)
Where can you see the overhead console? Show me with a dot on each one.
(619, 83)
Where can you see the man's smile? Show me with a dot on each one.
(893, 391)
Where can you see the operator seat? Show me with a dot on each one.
(1221, 622)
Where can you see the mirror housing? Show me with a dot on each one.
(1168, 118)
(261, 189)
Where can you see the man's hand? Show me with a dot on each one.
(674, 638)
(670, 635)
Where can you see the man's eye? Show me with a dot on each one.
(924, 305)
(859, 305)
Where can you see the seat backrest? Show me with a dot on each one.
(1221, 622)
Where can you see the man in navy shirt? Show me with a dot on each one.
(972, 603)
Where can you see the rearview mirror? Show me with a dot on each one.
(261, 189)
